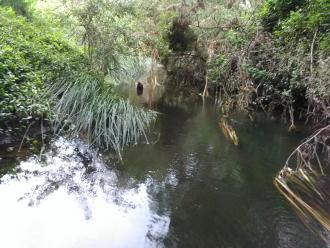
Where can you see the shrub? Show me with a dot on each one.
(30, 57)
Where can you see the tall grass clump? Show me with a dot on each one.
(84, 105)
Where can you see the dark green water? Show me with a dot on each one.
(216, 194)
(190, 189)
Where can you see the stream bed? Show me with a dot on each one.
(189, 187)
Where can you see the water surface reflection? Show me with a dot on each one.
(66, 203)
(191, 189)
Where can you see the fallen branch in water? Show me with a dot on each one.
(228, 132)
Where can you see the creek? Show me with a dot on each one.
(190, 187)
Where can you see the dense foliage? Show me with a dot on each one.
(271, 55)
(30, 56)
(44, 76)
(21, 7)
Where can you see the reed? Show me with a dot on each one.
(304, 181)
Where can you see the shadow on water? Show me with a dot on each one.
(192, 188)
